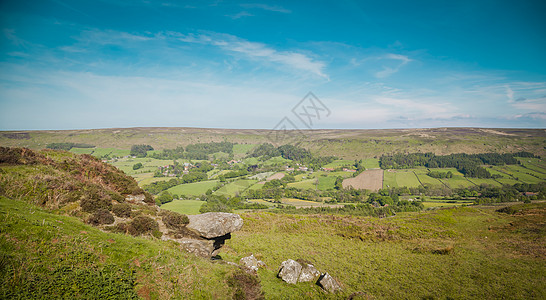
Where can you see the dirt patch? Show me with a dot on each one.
(369, 180)
(496, 132)
(275, 176)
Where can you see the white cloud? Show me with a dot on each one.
(509, 94)
(240, 15)
(537, 105)
(413, 106)
(267, 7)
(253, 50)
(387, 70)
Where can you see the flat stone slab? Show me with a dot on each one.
(214, 224)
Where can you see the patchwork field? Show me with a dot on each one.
(187, 207)
(399, 178)
(194, 189)
(304, 184)
(236, 187)
(370, 179)
(275, 176)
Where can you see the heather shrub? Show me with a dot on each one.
(142, 225)
(101, 216)
(122, 210)
(174, 220)
(91, 203)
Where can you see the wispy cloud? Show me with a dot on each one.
(253, 50)
(509, 94)
(240, 15)
(389, 70)
(274, 8)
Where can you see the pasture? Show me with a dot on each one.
(193, 189)
(305, 184)
(186, 207)
(400, 178)
(235, 187)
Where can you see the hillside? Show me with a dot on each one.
(54, 244)
(348, 144)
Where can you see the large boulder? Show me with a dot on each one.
(214, 224)
(308, 273)
(290, 271)
(328, 283)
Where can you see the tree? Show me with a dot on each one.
(137, 166)
(140, 150)
(165, 197)
(338, 185)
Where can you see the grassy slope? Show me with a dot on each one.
(493, 255)
(51, 256)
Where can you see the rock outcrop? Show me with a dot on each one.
(293, 272)
(210, 231)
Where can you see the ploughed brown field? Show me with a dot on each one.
(370, 179)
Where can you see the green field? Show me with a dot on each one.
(186, 207)
(488, 181)
(340, 163)
(240, 150)
(304, 184)
(437, 204)
(219, 173)
(300, 203)
(520, 173)
(427, 180)
(457, 182)
(251, 161)
(235, 187)
(370, 163)
(534, 164)
(537, 162)
(194, 189)
(277, 161)
(326, 183)
(82, 150)
(256, 186)
(400, 178)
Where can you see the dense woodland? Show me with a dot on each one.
(200, 151)
(468, 164)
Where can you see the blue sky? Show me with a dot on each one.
(231, 64)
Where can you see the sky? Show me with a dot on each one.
(253, 64)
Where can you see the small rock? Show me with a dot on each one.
(328, 283)
(290, 271)
(251, 262)
(214, 224)
(308, 273)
